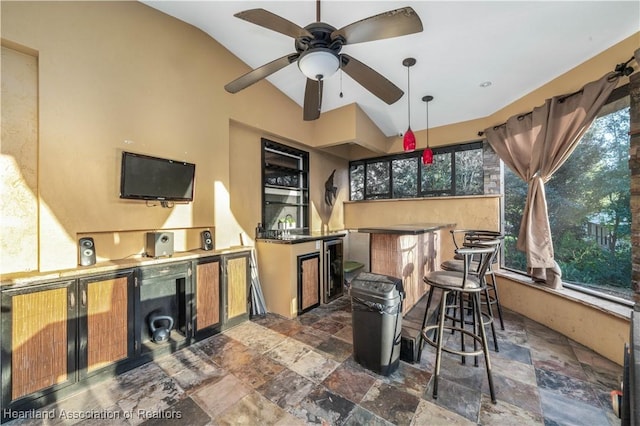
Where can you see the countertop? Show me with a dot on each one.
(30, 278)
(303, 238)
(407, 229)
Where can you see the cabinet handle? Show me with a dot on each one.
(84, 297)
(72, 299)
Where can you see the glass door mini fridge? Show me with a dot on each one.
(333, 271)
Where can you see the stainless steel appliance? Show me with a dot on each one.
(333, 271)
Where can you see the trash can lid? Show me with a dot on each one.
(352, 265)
(383, 286)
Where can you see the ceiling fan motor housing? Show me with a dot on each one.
(321, 38)
(317, 52)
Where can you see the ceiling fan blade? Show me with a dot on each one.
(370, 79)
(273, 22)
(312, 99)
(259, 73)
(393, 23)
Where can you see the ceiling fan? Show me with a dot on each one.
(318, 54)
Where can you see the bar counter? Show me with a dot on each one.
(406, 251)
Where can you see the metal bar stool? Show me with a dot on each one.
(471, 236)
(459, 284)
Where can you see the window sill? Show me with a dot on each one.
(444, 197)
(620, 310)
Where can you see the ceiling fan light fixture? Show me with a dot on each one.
(318, 63)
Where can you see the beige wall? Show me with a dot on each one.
(594, 328)
(478, 212)
(113, 76)
(116, 76)
(245, 181)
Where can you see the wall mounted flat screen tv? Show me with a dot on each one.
(143, 177)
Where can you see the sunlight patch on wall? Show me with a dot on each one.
(19, 218)
(19, 162)
(228, 229)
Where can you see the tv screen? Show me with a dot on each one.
(144, 177)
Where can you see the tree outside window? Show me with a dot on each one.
(588, 201)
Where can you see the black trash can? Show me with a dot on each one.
(376, 302)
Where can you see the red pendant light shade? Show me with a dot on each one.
(427, 154)
(409, 140)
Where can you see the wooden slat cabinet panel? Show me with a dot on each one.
(308, 282)
(105, 321)
(38, 340)
(207, 317)
(237, 278)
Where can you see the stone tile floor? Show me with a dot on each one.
(275, 371)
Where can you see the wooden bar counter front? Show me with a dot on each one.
(407, 252)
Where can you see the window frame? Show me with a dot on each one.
(388, 195)
(302, 209)
(617, 94)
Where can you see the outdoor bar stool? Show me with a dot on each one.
(474, 265)
(459, 284)
(471, 236)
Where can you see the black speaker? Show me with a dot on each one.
(207, 241)
(159, 244)
(86, 252)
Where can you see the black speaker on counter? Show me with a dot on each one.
(86, 251)
(159, 244)
(207, 240)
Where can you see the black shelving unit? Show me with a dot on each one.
(285, 187)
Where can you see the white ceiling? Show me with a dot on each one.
(517, 45)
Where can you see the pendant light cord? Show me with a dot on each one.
(409, 95)
(427, 105)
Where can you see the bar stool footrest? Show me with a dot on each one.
(469, 333)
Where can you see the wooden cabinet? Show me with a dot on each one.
(309, 293)
(105, 321)
(207, 318)
(237, 278)
(57, 333)
(38, 340)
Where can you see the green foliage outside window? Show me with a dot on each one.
(456, 170)
(588, 201)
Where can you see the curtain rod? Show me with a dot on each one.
(622, 69)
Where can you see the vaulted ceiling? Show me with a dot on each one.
(516, 46)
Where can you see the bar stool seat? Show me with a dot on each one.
(460, 285)
(456, 264)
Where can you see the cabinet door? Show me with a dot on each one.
(308, 282)
(38, 340)
(207, 309)
(237, 280)
(106, 321)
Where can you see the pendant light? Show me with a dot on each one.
(427, 154)
(409, 140)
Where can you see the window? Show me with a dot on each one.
(456, 170)
(588, 202)
(285, 183)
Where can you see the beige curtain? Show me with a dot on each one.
(534, 146)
